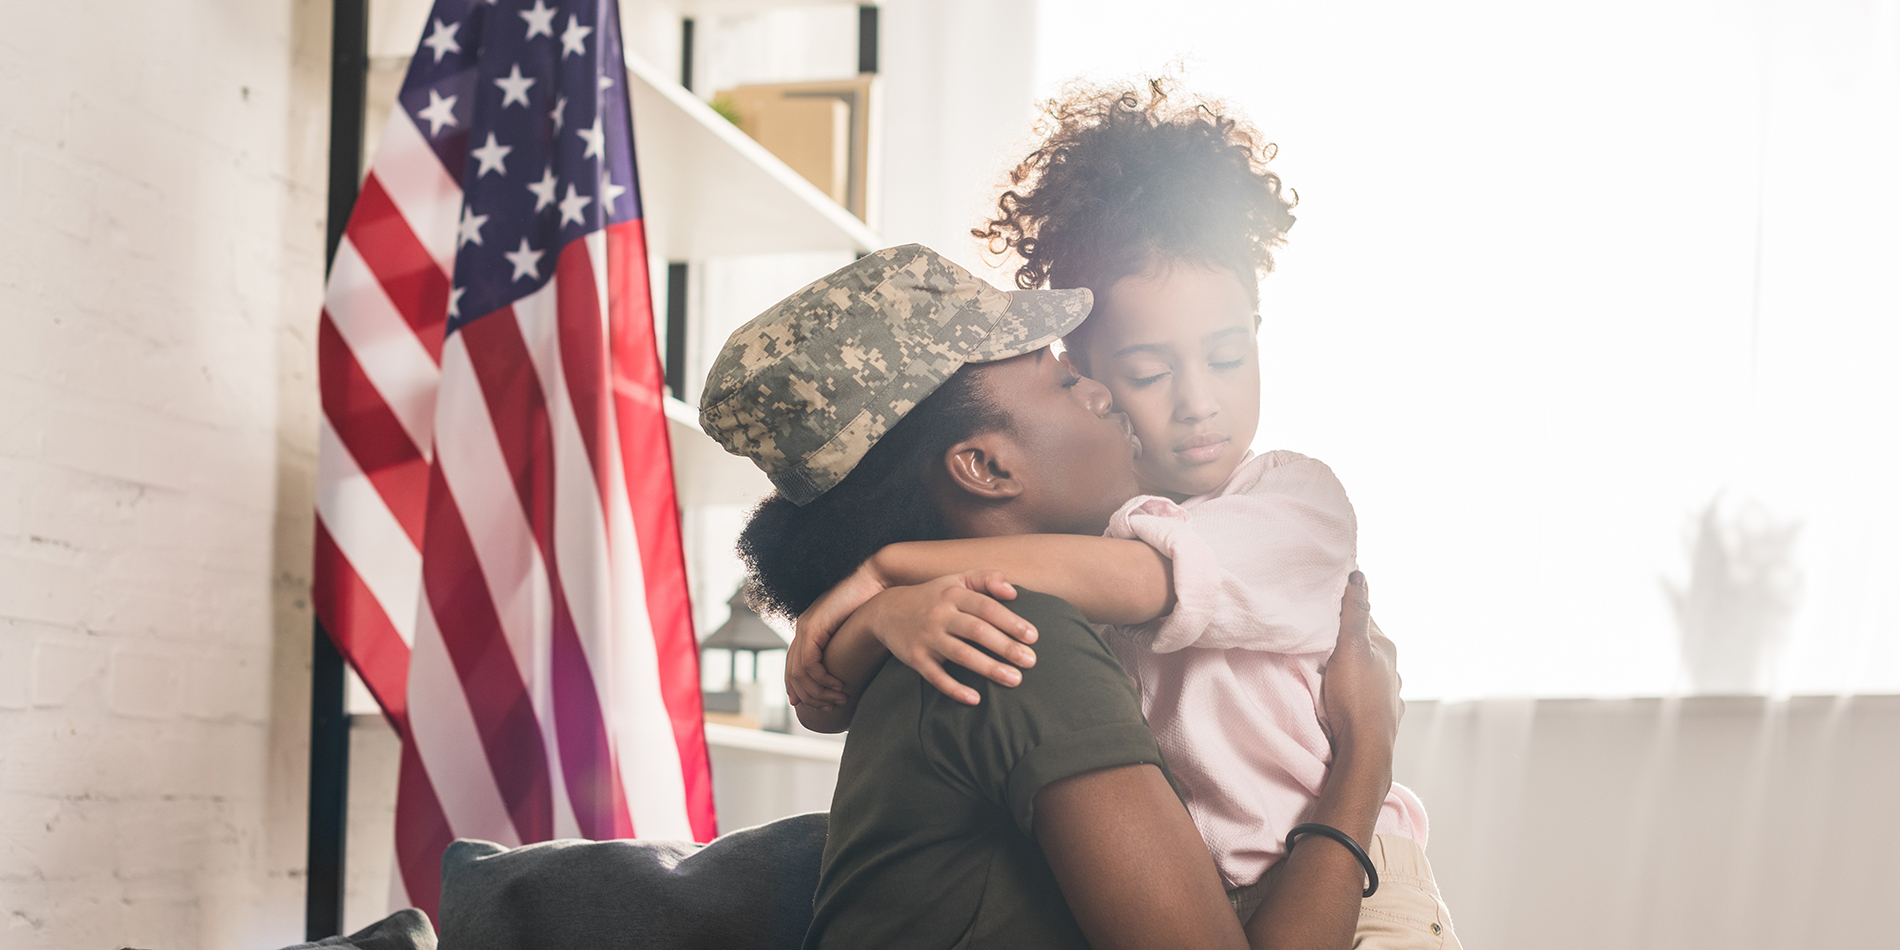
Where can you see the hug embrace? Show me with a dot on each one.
(1137, 697)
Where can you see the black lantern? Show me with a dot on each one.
(745, 632)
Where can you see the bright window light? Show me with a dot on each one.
(1594, 307)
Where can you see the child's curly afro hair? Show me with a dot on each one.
(1126, 174)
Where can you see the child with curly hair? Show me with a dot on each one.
(1221, 585)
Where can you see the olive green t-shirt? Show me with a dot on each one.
(932, 838)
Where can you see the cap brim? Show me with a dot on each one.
(1033, 320)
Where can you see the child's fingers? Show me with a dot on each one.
(994, 584)
(934, 674)
(812, 688)
(824, 679)
(977, 631)
(980, 663)
(996, 615)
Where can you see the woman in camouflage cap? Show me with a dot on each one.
(903, 399)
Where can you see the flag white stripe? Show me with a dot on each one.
(383, 343)
(642, 728)
(503, 540)
(538, 317)
(366, 533)
(429, 199)
(444, 731)
(477, 475)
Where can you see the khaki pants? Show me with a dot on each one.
(1405, 913)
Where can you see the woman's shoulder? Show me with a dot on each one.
(1064, 637)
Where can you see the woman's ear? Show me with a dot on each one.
(979, 466)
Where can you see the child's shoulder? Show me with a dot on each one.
(1282, 472)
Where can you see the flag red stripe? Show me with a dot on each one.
(647, 467)
(409, 275)
(355, 620)
(422, 833)
(372, 433)
(464, 611)
(518, 408)
(581, 354)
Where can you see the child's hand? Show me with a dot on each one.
(945, 620)
(806, 679)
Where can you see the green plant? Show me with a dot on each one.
(727, 109)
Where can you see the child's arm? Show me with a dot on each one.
(1261, 566)
(1109, 580)
(924, 625)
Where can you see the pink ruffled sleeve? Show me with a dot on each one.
(1259, 565)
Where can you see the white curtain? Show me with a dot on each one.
(1595, 308)
(1704, 822)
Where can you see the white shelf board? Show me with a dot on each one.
(711, 191)
(773, 743)
(704, 473)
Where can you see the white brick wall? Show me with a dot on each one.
(161, 176)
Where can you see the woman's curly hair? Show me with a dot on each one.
(1125, 174)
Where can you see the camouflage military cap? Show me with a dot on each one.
(807, 387)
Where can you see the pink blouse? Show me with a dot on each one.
(1230, 680)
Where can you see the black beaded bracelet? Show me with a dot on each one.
(1372, 875)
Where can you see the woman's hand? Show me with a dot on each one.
(945, 620)
(1360, 686)
(1315, 900)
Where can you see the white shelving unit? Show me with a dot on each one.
(703, 472)
(709, 190)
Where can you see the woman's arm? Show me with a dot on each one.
(1153, 883)
(1108, 580)
(1315, 901)
(1149, 883)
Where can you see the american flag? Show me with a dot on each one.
(498, 548)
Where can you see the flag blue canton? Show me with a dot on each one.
(526, 105)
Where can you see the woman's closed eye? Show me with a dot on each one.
(1141, 381)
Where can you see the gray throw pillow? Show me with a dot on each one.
(403, 930)
(748, 890)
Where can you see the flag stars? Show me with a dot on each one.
(596, 140)
(574, 38)
(470, 230)
(491, 157)
(544, 189)
(514, 87)
(441, 39)
(559, 115)
(527, 261)
(609, 192)
(455, 300)
(440, 112)
(573, 205)
(540, 20)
